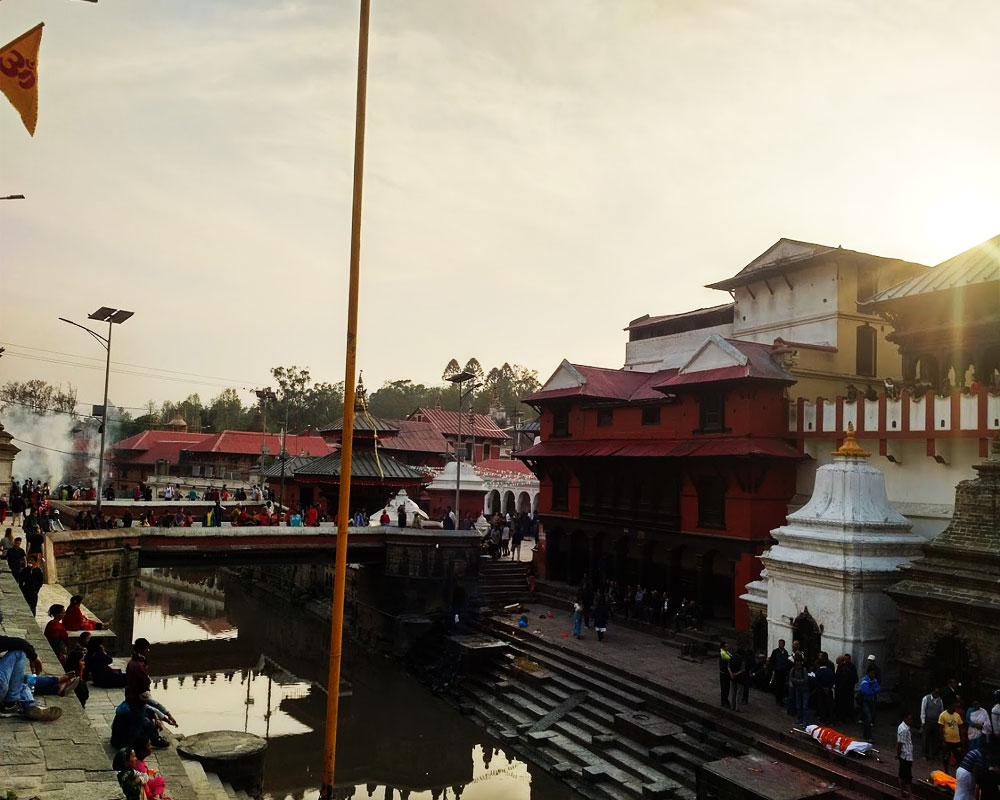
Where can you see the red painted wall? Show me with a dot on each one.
(760, 410)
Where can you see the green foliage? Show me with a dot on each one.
(190, 410)
(308, 404)
(38, 396)
(226, 412)
(398, 399)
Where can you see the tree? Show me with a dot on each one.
(398, 399)
(305, 405)
(39, 396)
(190, 410)
(324, 404)
(226, 412)
(507, 385)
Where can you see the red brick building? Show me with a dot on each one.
(671, 479)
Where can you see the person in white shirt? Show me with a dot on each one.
(994, 724)
(168, 493)
(930, 709)
(904, 754)
(978, 720)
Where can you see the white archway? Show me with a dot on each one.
(508, 503)
(492, 504)
(523, 503)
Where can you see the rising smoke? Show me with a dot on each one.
(52, 446)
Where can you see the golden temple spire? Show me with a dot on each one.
(850, 448)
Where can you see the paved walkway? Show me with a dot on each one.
(650, 658)
(61, 760)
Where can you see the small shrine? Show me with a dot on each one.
(826, 577)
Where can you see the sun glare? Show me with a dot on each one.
(960, 220)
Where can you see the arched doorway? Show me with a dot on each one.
(807, 633)
(508, 503)
(492, 503)
(951, 657)
(523, 503)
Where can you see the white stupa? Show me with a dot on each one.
(447, 479)
(825, 578)
(392, 509)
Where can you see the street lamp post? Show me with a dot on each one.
(459, 379)
(264, 396)
(112, 316)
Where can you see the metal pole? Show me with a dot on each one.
(458, 463)
(104, 424)
(347, 437)
(284, 456)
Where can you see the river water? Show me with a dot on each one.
(232, 660)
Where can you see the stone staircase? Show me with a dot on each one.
(628, 737)
(207, 786)
(588, 742)
(501, 581)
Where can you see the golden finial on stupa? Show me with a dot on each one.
(850, 447)
(360, 397)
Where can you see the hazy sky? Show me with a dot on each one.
(538, 173)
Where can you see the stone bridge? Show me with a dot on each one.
(244, 545)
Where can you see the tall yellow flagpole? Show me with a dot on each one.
(347, 438)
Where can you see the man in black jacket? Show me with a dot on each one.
(15, 695)
(31, 581)
(16, 558)
(780, 663)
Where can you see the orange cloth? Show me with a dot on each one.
(829, 738)
(940, 778)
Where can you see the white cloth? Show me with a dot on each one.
(965, 785)
(979, 722)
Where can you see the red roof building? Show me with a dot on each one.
(481, 436)
(196, 458)
(672, 479)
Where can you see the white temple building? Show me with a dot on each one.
(825, 578)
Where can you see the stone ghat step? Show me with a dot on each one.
(858, 776)
(516, 581)
(488, 565)
(579, 726)
(562, 754)
(580, 678)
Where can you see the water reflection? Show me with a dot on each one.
(235, 660)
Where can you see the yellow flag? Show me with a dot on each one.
(19, 74)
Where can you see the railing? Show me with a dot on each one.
(932, 416)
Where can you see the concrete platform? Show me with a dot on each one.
(61, 760)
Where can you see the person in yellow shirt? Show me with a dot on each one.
(949, 723)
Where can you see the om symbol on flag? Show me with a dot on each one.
(17, 66)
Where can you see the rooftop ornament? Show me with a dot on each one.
(850, 448)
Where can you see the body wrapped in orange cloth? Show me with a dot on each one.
(837, 742)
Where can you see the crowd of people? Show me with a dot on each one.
(139, 718)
